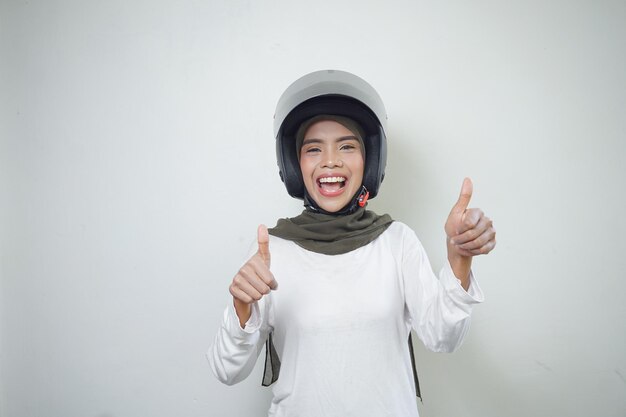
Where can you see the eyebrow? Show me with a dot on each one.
(341, 139)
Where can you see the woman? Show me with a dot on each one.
(352, 283)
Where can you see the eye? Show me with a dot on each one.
(312, 150)
(347, 147)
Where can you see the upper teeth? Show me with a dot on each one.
(332, 179)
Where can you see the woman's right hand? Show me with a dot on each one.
(254, 279)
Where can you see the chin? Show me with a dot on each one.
(332, 206)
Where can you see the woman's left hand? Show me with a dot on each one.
(469, 232)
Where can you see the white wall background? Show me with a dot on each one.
(137, 158)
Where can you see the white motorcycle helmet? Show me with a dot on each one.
(330, 92)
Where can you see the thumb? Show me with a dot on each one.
(464, 197)
(263, 239)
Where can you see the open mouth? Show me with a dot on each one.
(331, 185)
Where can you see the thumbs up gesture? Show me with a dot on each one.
(469, 231)
(254, 279)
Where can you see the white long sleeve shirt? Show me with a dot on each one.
(341, 324)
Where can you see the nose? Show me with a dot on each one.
(332, 160)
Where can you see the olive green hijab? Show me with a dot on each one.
(330, 234)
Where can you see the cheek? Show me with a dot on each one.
(304, 168)
(358, 167)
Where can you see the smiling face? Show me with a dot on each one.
(331, 161)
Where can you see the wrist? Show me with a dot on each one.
(460, 264)
(243, 310)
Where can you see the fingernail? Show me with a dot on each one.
(452, 241)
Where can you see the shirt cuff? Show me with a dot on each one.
(452, 284)
(251, 326)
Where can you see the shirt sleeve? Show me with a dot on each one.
(438, 310)
(235, 350)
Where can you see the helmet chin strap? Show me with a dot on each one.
(359, 200)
